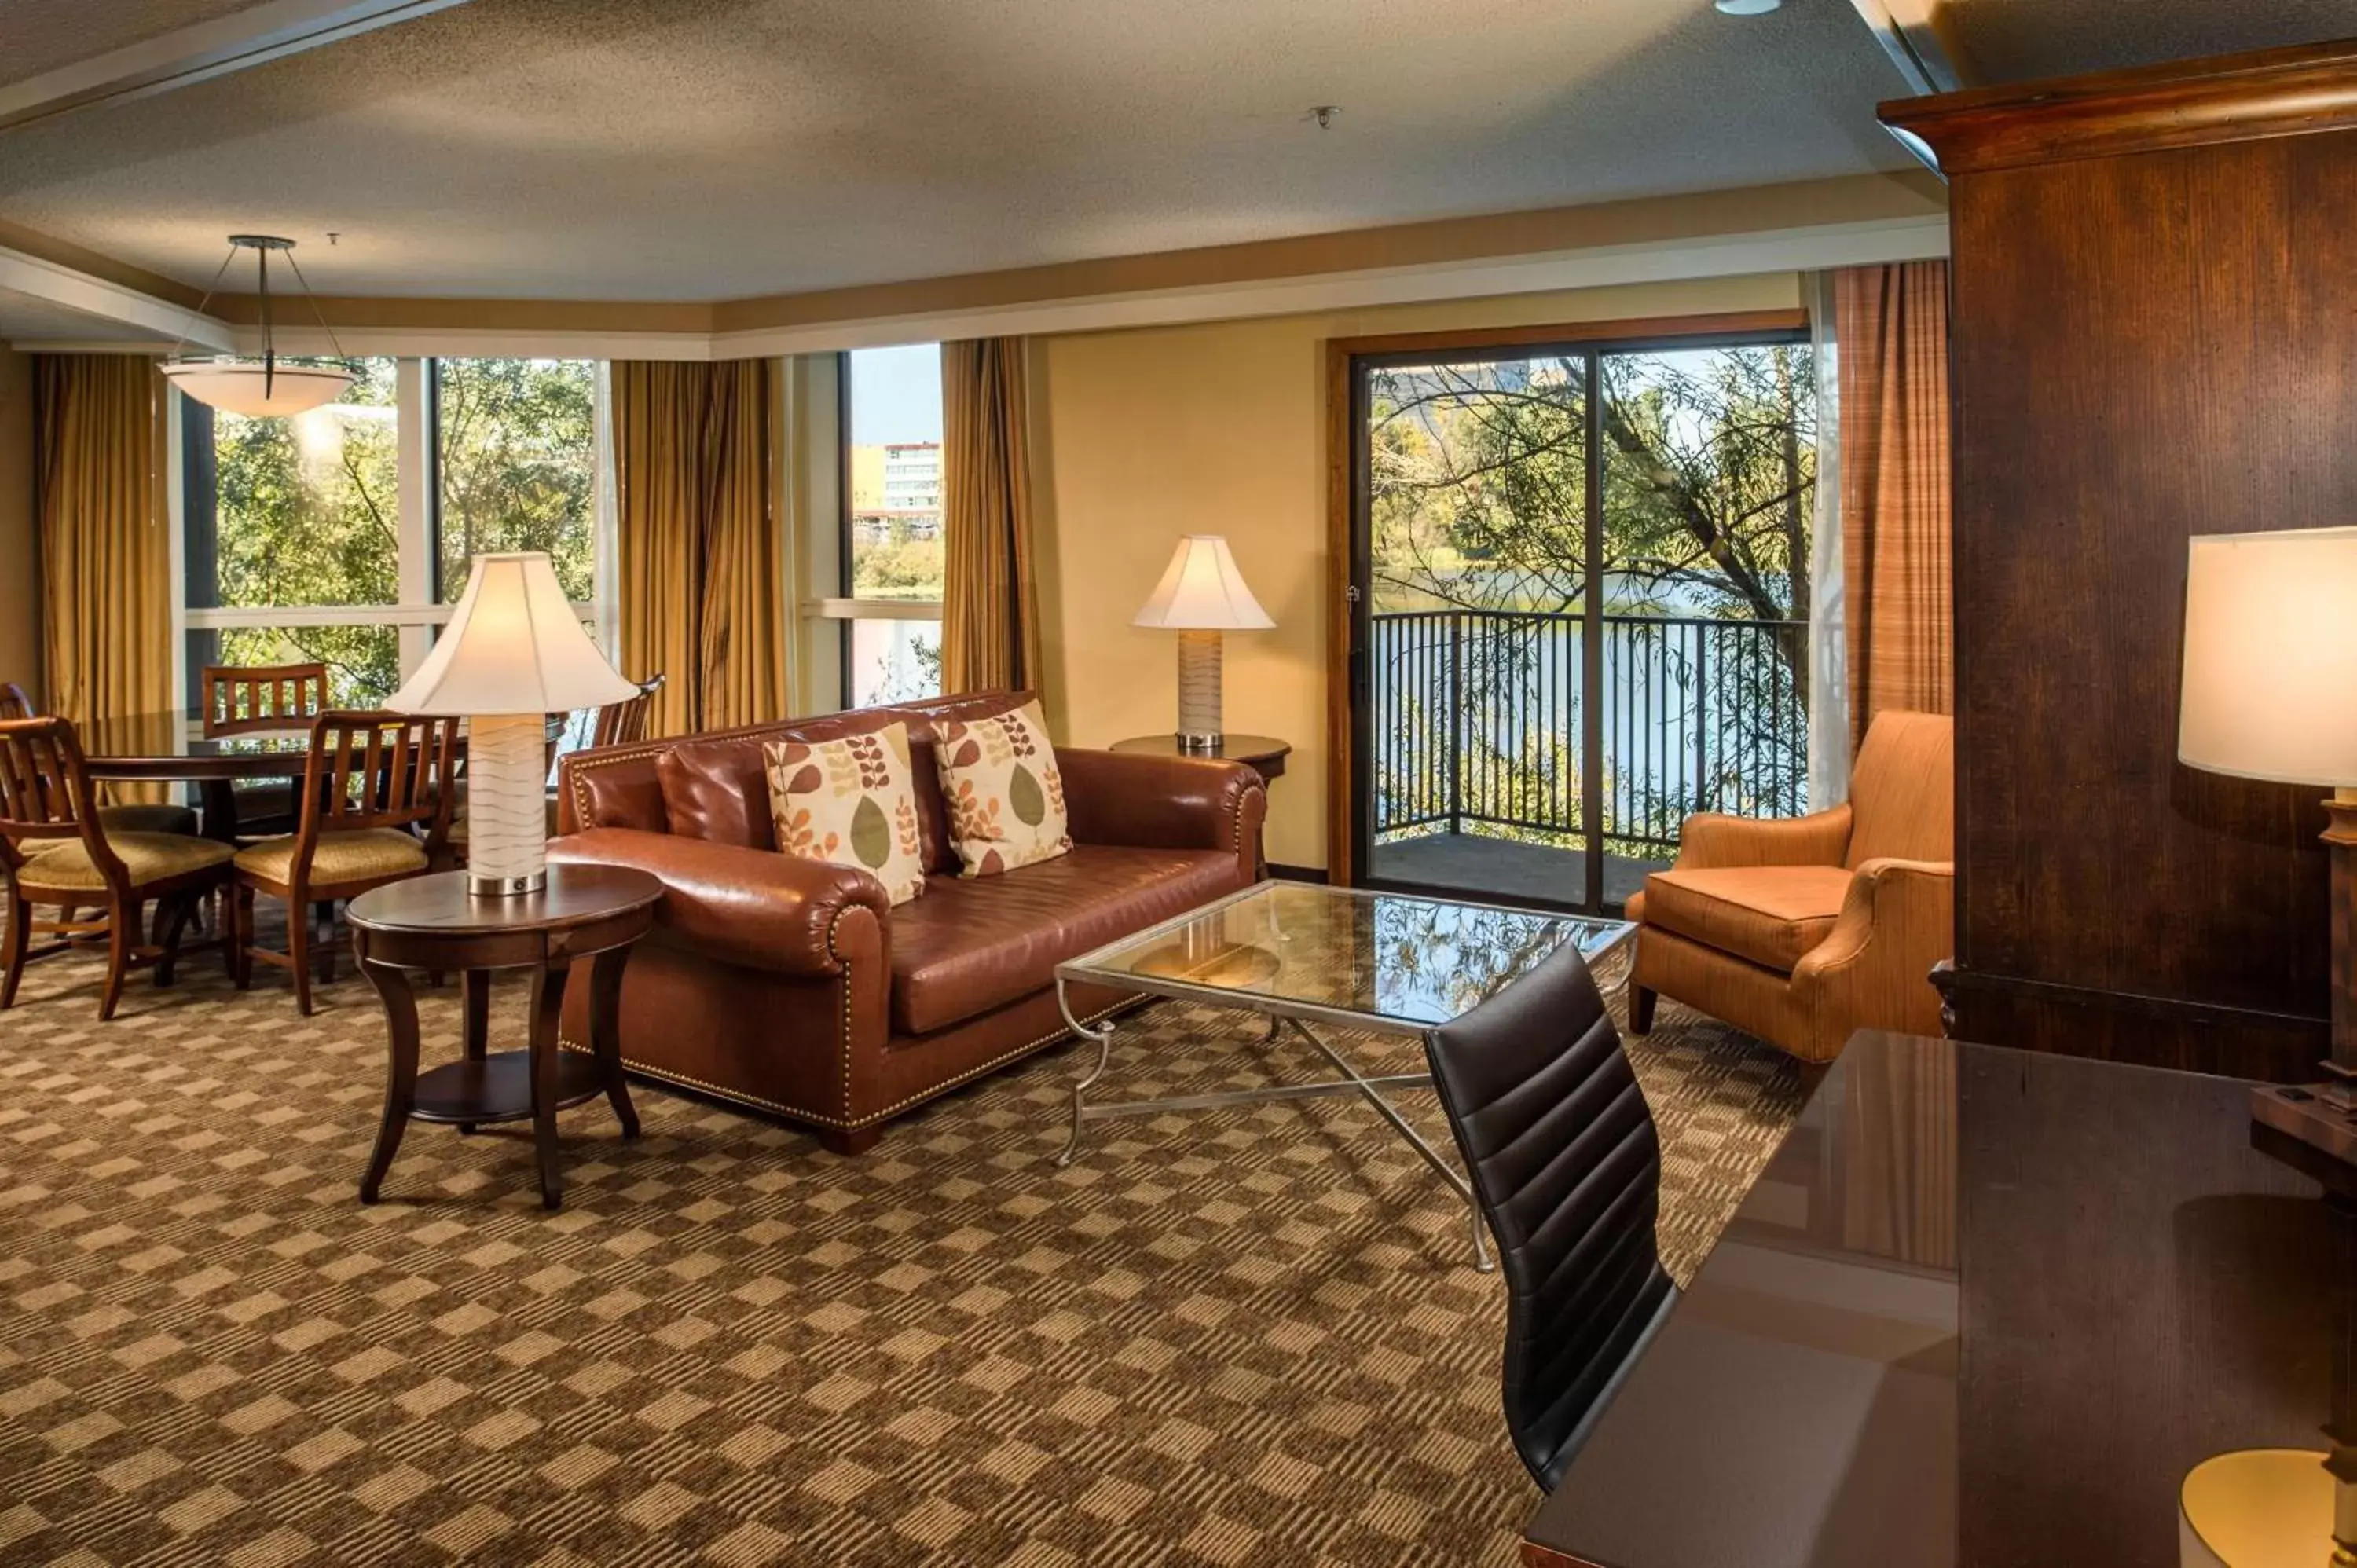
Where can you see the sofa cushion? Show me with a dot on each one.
(849, 801)
(972, 944)
(1770, 915)
(715, 787)
(1004, 792)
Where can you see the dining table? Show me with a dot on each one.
(139, 751)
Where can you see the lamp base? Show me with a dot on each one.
(1199, 690)
(482, 887)
(507, 804)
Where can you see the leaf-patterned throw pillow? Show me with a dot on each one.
(1006, 798)
(850, 801)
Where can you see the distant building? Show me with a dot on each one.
(912, 476)
(866, 479)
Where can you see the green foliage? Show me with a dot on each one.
(1479, 482)
(517, 468)
(1479, 500)
(901, 568)
(307, 508)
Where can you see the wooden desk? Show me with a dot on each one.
(1983, 1307)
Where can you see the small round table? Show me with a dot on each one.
(1265, 755)
(433, 923)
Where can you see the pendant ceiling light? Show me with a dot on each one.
(261, 387)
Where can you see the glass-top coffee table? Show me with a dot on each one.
(1301, 955)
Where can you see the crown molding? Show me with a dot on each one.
(1852, 220)
(2299, 91)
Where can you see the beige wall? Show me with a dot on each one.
(1144, 435)
(20, 623)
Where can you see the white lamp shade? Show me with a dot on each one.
(2271, 656)
(2256, 1507)
(1202, 591)
(513, 646)
(236, 386)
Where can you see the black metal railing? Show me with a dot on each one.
(1478, 718)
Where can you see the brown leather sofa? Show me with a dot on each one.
(796, 987)
(1805, 930)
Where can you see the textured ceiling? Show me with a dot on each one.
(705, 149)
(711, 148)
(42, 34)
(2021, 40)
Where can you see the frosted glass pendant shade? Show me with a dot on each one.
(238, 386)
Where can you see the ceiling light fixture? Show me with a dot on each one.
(259, 388)
(1747, 7)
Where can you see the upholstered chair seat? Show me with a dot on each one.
(1770, 915)
(359, 856)
(66, 866)
(1803, 931)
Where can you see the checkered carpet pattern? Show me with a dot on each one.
(1245, 1338)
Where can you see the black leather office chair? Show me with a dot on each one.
(1566, 1166)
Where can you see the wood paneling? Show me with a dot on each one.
(2147, 345)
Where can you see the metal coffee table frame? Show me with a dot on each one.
(1283, 1015)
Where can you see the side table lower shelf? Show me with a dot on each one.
(497, 1088)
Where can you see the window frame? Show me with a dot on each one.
(845, 606)
(418, 614)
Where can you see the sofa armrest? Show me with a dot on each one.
(1712, 841)
(1874, 968)
(750, 906)
(1144, 802)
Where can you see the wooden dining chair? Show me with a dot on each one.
(55, 853)
(1566, 1166)
(372, 783)
(159, 816)
(625, 723)
(262, 699)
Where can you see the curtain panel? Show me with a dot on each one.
(100, 456)
(990, 615)
(1891, 323)
(700, 571)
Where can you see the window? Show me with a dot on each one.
(306, 540)
(516, 465)
(892, 523)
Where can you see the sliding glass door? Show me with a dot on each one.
(1580, 599)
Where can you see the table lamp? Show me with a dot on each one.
(1201, 595)
(2270, 692)
(514, 654)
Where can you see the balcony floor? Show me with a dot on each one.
(1478, 866)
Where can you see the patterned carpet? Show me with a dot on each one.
(1248, 1337)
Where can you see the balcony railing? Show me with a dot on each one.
(1478, 719)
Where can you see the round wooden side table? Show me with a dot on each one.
(1265, 755)
(433, 923)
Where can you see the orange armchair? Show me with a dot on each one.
(1803, 931)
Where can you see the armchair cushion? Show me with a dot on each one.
(972, 944)
(1903, 790)
(1768, 914)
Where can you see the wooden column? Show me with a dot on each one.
(2155, 336)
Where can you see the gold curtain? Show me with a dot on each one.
(106, 551)
(990, 612)
(699, 559)
(1892, 325)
